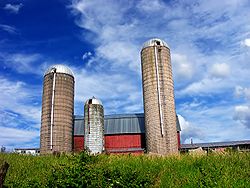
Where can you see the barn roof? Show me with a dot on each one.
(117, 124)
(215, 144)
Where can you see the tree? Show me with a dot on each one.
(3, 149)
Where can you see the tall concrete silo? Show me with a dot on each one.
(93, 126)
(57, 110)
(158, 98)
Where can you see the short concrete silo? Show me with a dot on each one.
(57, 110)
(158, 98)
(93, 126)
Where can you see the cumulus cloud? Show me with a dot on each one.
(242, 114)
(19, 112)
(220, 70)
(203, 56)
(16, 137)
(188, 131)
(183, 69)
(117, 95)
(204, 37)
(21, 96)
(150, 6)
(246, 42)
(13, 8)
(242, 92)
(204, 87)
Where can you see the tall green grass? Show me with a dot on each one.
(228, 170)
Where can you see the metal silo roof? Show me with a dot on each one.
(59, 69)
(93, 100)
(154, 42)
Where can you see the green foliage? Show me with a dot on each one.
(83, 170)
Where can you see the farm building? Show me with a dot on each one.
(243, 145)
(124, 133)
(30, 151)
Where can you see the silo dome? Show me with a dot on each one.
(93, 100)
(154, 42)
(59, 69)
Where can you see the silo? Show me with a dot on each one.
(93, 126)
(158, 98)
(57, 110)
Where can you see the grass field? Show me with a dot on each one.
(82, 170)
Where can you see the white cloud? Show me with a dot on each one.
(19, 113)
(188, 131)
(203, 57)
(13, 8)
(242, 114)
(8, 28)
(204, 37)
(240, 91)
(246, 42)
(116, 91)
(86, 55)
(17, 137)
(150, 6)
(20, 99)
(220, 70)
(120, 54)
(214, 121)
(23, 63)
(206, 86)
(182, 67)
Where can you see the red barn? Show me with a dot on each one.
(123, 133)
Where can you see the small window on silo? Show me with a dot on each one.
(158, 42)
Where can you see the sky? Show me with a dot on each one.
(101, 42)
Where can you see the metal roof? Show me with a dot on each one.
(124, 124)
(215, 144)
(93, 100)
(26, 148)
(79, 126)
(155, 42)
(117, 124)
(59, 69)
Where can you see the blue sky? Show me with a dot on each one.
(101, 42)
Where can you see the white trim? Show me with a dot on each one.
(52, 109)
(158, 90)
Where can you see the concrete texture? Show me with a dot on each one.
(158, 141)
(63, 114)
(94, 127)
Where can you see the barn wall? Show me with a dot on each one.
(115, 142)
(124, 141)
(119, 141)
(179, 139)
(78, 143)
